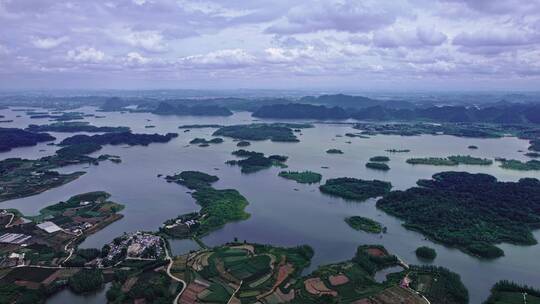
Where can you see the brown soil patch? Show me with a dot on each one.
(339, 279)
(376, 252)
(317, 287)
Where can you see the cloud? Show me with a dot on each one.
(148, 40)
(422, 37)
(136, 58)
(430, 36)
(86, 55)
(345, 16)
(500, 6)
(227, 58)
(49, 43)
(495, 38)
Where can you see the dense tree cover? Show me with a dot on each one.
(469, 211)
(438, 284)
(243, 143)
(218, 207)
(13, 138)
(304, 177)
(204, 141)
(506, 292)
(74, 127)
(212, 126)
(279, 132)
(355, 189)
(373, 263)
(300, 111)
(425, 252)
(473, 147)
(450, 161)
(397, 150)
(532, 154)
(256, 161)
(455, 129)
(513, 164)
(119, 138)
(334, 151)
(14, 294)
(86, 280)
(165, 108)
(378, 166)
(379, 159)
(78, 149)
(364, 224)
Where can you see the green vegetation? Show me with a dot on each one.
(334, 151)
(355, 189)
(256, 161)
(398, 150)
(505, 292)
(438, 284)
(166, 108)
(489, 211)
(379, 159)
(78, 149)
(304, 177)
(513, 164)
(74, 126)
(86, 280)
(218, 207)
(212, 126)
(243, 143)
(472, 147)
(426, 253)
(13, 138)
(279, 132)
(532, 154)
(204, 141)
(364, 224)
(378, 166)
(119, 138)
(450, 161)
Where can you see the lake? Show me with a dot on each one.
(283, 212)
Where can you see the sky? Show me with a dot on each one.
(279, 44)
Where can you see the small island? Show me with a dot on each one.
(379, 159)
(506, 292)
(450, 161)
(397, 150)
(205, 142)
(364, 224)
(426, 253)
(119, 138)
(304, 177)
(255, 161)
(512, 164)
(73, 127)
(355, 189)
(243, 143)
(377, 166)
(13, 138)
(472, 147)
(334, 151)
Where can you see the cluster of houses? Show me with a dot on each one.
(136, 245)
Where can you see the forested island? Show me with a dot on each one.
(450, 161)
(377, 166)
(255, 161)
(278, 132)
(512, 164)
(355, 189)
(13, 138)
(203, 142)
(506, 292)
(75, 126)
(379, 159)
(119, 138)
(218, 206)
(300, 111)
(364, 224)
(334, 151)
(426, 253)
(304, 177)
(489, 211)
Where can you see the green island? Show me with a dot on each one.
(63, 116)
(506, 292)
(304, 177)
(50, 238)
(364, 224)
(438, 284)
(13, 138)
(512, 164)
(255, 161)
(473, 147)
(397, 150)
(218, 206)
(426, 253)
(277, 132)
(205, 142)
(379, 159)
(489, 211)
(334, 151)
(243, 143)
(355, 189)
(450, 161)
(119, 138)
(532, 154)
(74, 126)
(377, 166)
(167, 108)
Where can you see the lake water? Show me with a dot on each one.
(282, 211)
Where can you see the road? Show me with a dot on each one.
(171, 262)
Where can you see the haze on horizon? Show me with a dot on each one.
(281, 44)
